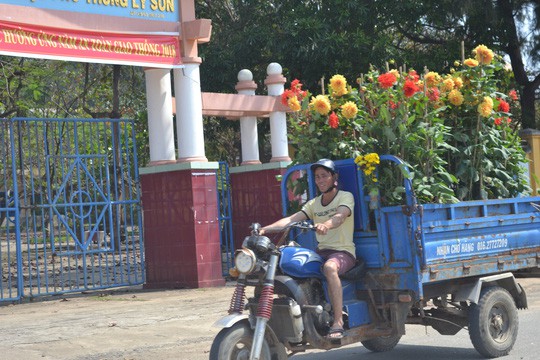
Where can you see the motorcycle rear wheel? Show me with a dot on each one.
(234, 343)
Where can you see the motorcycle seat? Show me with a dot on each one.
(357, 272)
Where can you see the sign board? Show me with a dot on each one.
(164, 10)
(97, 31)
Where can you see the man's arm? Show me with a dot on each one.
(335, 221)
(282, 223)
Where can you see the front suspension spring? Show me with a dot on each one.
(237, 300)
(266, 301)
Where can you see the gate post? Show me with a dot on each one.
(181, 226)
(248, 124)
(275, 82)
(160, 116)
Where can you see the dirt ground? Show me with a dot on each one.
(127, 324)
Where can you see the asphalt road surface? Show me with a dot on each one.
(133, 324)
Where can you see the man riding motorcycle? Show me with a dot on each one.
(332, 213)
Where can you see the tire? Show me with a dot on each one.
(382, 343)
(493, 323)
(234, 343)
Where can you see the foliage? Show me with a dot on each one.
(453, 130)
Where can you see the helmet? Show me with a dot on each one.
(325, 163)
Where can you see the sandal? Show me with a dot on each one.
(335, 334)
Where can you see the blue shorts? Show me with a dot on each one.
(343, 259)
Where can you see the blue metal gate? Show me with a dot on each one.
(69, 205)
(225, 217)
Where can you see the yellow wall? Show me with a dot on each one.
(532, 137)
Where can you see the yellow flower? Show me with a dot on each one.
(483, 54)
(485, 108)
(321, 104)
(470, 62)
(294, 104)
(432, 79)
(349, 110)
(455, 97)
(448, 84)
(396, 73)
(458, 82)
(456, 63)
(338, 83)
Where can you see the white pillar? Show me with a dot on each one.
(160, 116)
(278, 120)
(189, 120)
(248, 124)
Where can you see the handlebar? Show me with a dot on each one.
(302, 225)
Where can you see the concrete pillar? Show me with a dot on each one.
(189, 120)
(160, 116)
(248, 124)
(278, 120)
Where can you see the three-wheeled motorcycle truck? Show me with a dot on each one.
(448, 266)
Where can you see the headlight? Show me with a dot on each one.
(245, 261)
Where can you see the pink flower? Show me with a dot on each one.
(433, 94)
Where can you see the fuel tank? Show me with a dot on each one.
(301, 263)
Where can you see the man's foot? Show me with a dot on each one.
(335, 333)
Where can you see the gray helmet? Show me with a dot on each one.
(325, 163)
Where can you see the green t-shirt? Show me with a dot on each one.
(340, 238)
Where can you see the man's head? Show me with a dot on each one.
(324, 172)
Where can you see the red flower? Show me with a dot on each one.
(387, 80)
(410, 88)
(513, 95)
(503, 106)
(498, 121)
(433, 94)
(333, 120)
(392, 104)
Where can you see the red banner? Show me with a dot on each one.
(72, 45)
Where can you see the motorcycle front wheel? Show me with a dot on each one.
(234, 343)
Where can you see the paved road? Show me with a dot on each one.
(132, 324)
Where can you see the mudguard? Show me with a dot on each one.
(229, 320)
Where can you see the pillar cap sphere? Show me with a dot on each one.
(245, 75)
(274, 69)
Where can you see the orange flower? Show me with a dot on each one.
(483, 54)
(432, 79)
(458, 82)
(294, 104)
(485, 108)
(321, 104)
(448, 84)
(387, 80)
(338, 84)
(349, 110)
(455, 97)
(470, 62)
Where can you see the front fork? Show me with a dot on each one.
(264, 309)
